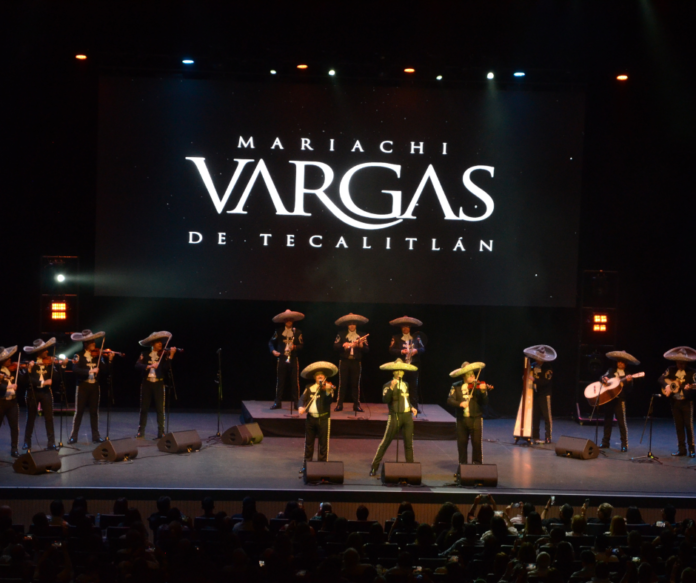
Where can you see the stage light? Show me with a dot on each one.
(490, 75)
(301, 66)
(81, 57)
(187, 61)
(332, 72)
(58, 306)
(273, 71)
(622, 78)
(409, 70)
(439, 77)
(61, 356)
(600, 322)
(58, 315)
(60, 278)
(518, 74)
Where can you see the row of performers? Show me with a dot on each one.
(41, 371)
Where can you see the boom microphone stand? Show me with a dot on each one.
(219, 400)
(650, 457)
(170, 373)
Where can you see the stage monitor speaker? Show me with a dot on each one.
(180, 442)
(577, 447)
(395, 472)
(331, 472)
(478, 475)
(248, 434)
(116, 450)
(37, 462)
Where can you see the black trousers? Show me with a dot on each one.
(683, 413)
(469, 428)
(349, 372)
(411, 377)
(86, 395)
(317, 427)
(615, 407)
(10, 409)
(541, 408)
(395, 423)
(152, 391)
(45, 398)
(287, 374)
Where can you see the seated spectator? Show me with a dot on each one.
(120, 506)
(79, 509)
(527, 509)
(563, 559)
(556, 536)
(604, 512)
(602, 573)
(444, 514)
(57, 514)
(456, 531)
(131, 516)
(578, 526)
(468, 541)
(565, 516)
(248, 513)
(376, 534)
(587, 571)
(533, 526)
(324, 508)
(405, 522)
(261, 534)
(668, 515)
(646, 573)
(602, 549)
(356, 571)
(403, 570)
(208, 507)
(39, 524)
(355, 541)
(339, 534)
(688, 575)
(633, 515)
(483, 518)
(542, 566)
(362, 513)
(634, 540)
(5, 518)
(526, 554)
(159, 518)
(500, 528)
(617, 527)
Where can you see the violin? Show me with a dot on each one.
(13, 366)
(106, 352)
(49, 360)
(174, 348)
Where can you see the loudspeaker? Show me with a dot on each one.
(577, 447)
(180, 442)
(395, 472)
(331, 472)
(478, 475)
(116, 450)
(248, 434)
(37, 462)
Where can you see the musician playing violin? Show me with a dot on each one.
(541, 356)
(40, 391)
(677, 383)
(285, 343)
(617, 406)
(469, 396)
(316, 402)
(351, 347)
(88, 364)
(409, 346)
(8, 395)
(154, 364)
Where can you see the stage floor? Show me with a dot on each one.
(270, 470)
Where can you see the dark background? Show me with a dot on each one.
(637, 202)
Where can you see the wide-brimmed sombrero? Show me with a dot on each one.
(329, 369)
(622, 355)
(351, 319)
(540, 352)
(288, 315)
(466, 368)
(398, 364)
(406, 321)
(6, 353)
(681, 354)
(39, 346)
(86, 336)
(154, 337)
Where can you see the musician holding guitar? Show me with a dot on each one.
(8, 396)
(469, 396)
(617, 404)
(676, 383)
(351, 347)
(316, 402)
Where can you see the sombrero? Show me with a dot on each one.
(329, 369)
(406, 321)
(6, 353)
(86, 336)
(466, 367)
(351, 319)
(39, 346)
(681, 353)
(398, 364)
(541, 352)
(154, 337)
(288, 315)
(621, 355)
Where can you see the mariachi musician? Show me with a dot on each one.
(88, 364)
(351, 347)
(316, 402)
(284, 345)
(469, 397)
(153, 365)
(40, 391)
(409, 348)
(676, 383)
(617, 405)
(8, 396)
(541, 357)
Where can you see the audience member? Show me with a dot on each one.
(617, 527)
(362, 513)
(633, 515)
(587, 559)
(120, 506)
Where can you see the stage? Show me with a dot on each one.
(269, 470)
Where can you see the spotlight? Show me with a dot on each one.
(518, 74)
(622, 78)
(301, 66)
(61, 356)
(332, 73)
(409, 70)
(273, 71)
(439, 77)
(60, 278)
(81, 57)
(490, 75)
(187, 61)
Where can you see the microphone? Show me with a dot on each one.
(218, 351)
(659, 395)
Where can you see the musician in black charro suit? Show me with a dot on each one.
(351, 347)
(409, 347)
(617, 406)
(40, 391)
(154, 365)
(677, 383)
(285, 343)
(9, 409)
(316, 402)
(541, 357)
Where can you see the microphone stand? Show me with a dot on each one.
(650, 457)
(292, 401)
(219, 399)
(170, 374)
(109, 398)
(63, 408)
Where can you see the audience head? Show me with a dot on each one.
(499, 527)
(444, 514)
(425, 535)
(526, 553)
(132, 515)
(376, 535)
(485, 514)
(457, 521)
(564, 553)
(351, 558)
(566, 513)
(688, 575)
(404, 560)
(601, 543)
(604, 511)
(164, 503)
(634, 539)
(533, 523)
(80, 503)
(404, 507)
(325, 508)
(578, 524)
(669, 514)
(587, 557)
(408, 519)
(617, 526)
(527, 509)
(646, 574)
(556, 535)
(57, 508)
(208, 505)
(120, 506)
(40, 521)
(362, 512)
(543, 561)
(633, 515)
(602, 570)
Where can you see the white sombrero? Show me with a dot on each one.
(541, 352)
(6, 353)
(622, 355)
(288, 315)
(351, 319)
(86, 336)
(406, 321)
(39, 346)
(466, 368)
(681, 354)
(398, 364)
(154, 337)
(329, 369)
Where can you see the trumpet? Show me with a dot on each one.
(288, 349)
(409, 347)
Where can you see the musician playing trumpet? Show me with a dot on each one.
(676, 383)
(351, 347)
(617, 406)
(316, 402)
(469, 396)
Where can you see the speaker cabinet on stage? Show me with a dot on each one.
(331, 472)
(37, 462)
(116, 450)
(180, 442)
(395, 472)
(577, 447)
(248, 434)
(478, 475)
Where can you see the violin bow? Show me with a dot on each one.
(163, 352)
